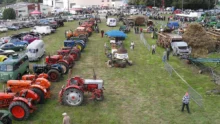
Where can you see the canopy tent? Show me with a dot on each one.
(116, 33)
(35, 12)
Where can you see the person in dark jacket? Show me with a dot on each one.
(185, 101)
(137, 29)
(102, 33)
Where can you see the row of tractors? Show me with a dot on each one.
(21, 96)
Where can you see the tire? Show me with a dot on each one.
(75, 54)
(6, 120)
(65, 67)
(68, 95)
(40, 93)
(79, 46)
(19, 110)
(54, 75)
(101, 98)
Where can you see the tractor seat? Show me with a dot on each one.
(92, 81)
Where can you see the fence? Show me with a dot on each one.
(195, 96)
(145, 41)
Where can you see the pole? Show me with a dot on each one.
(182, 5)
(68, 5)
(154, 3)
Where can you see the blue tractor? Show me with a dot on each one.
(80, 44)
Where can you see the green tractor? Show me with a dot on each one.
(5, 117)
(212, 22)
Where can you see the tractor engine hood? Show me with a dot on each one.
(16, 85)
(100, 83)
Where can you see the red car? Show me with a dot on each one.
(30, 38)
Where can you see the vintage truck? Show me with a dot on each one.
(174, 41)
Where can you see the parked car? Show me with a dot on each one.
(11, 46)
(81, 17)
(18, 25)
(30, 38)
(5, 39)
(70, 19)
(35, 50)
(18, 42)
(6, 52)
(3, 29)
(12, 27)
(43, 30)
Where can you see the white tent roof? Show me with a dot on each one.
(77, 6)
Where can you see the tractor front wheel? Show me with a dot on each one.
(100, 98)
(54, 75)
(72, 97)
(64, 66)
(19, 110)
(40, 94)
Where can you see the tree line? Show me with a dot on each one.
(187, 4)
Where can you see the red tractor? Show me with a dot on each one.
(39, 85)
(20, 105)
(74, 52)
(66, 62)
(72, 94)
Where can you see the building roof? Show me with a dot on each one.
(19, 5)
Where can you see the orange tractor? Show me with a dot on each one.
(74, 52)
(39, 84)
(79, 33)
(20, 105)
(88, 26)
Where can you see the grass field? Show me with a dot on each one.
(140, 94)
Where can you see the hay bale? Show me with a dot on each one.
(197, 38)
(140, 20)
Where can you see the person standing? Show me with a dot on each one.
(132, 45)
(134, 29)
(185, 101)
(168, 53)
(79, 22)
(102, 33)
(137, 29)
(153, 49)
(141, 29)
(66, 118)
(106, 16)
(164, 58)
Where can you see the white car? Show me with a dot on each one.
(3, 29)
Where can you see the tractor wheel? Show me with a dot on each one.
(75, 54)
(72, 97)
(54, 75)
(100, 98)
(64, 66)
(40, 94)
(123, 65)
(79, 46)
(6, 120)
(19, 110)
(109, 63)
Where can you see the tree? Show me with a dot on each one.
(194, 4)
(9, 14)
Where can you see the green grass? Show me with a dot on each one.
(139, 94)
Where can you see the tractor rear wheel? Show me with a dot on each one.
(40, 94)
(64, 66)
(54, 75)
(72, 97)
(19, 110)
(80, 46)
(75, 55)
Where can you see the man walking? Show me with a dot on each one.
(66, 118)
(132, 45)
(102, 33)
(153, 49)
(185, 101)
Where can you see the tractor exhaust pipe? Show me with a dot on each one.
(94, 75)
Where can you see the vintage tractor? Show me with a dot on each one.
(72, 93)
(118, 58)
(125, 28)
(66, 62)
(74, 52)
(70, 35)
(5, 117)
(20, 105)
(88, 27)
(80, 44)
(40, 86)
(54, 71)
